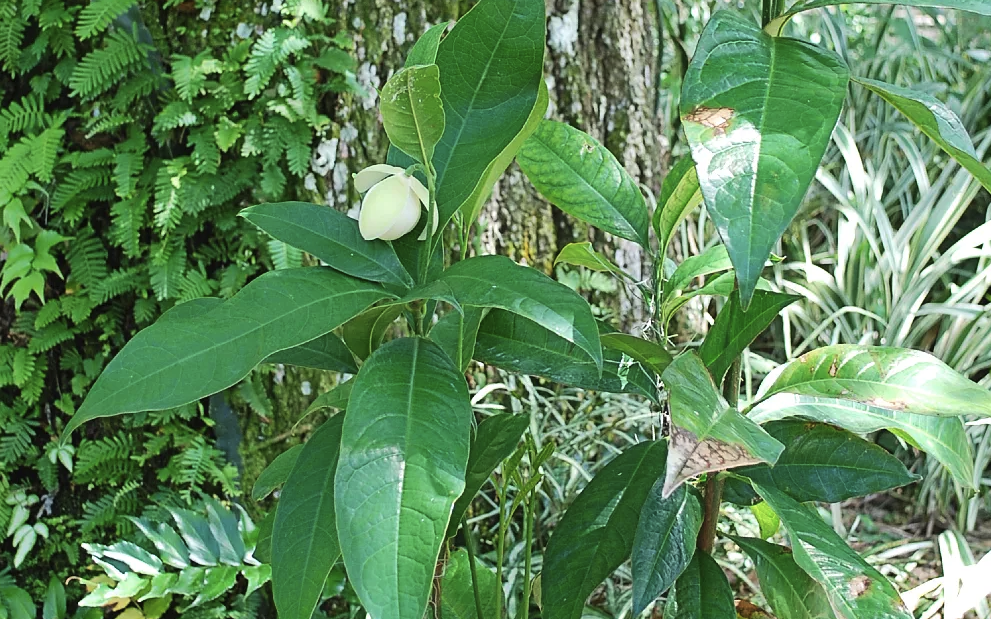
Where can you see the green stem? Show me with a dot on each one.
(528, 555)
(766, 12)
(501, 546)
(713, 497)
(470, 545)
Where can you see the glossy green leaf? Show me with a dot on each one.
(680, 195)
(664, 542)
(649, 354)
(275, 474)
(331, 236)
(824, 463)
(893, 379)
(304, 535)
(175, 362)
(767, 521)
(54, 605)
(497, 281)
(171, 549)
(424, 51)
(789, 591)
(734, 329)
(327, 352)
(263, 547)
(943, 438)
(412, 110)
(404, 454)
(757, 130)
(456, 333)
(721, 286)
(495, 440)
(336, 398)
(364, 333)
(975, 6)
(256, 575)
(706, 433)
(583, 255)
(516, 344)
(714, 259)
(855, 589)
(216, 582)
(203, 547)
(703, 592)
(596, 533)
(17, 602)
(457, 595)
(224, 530)
(936, 120)
(582, 178)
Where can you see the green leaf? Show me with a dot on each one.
(583, 255)
(886, 378)
(680, 195)
(855, 589)
(396, 485)
(721, 286)
(167, 542)
(336, 398)
(975, 6)
(734, 329)
(767, 521)
(304, 535)
(364, 333)
(757, 130)
(703, 592)
(519, 345)
(456, 333)
(706, 433)
(331, 236)
(412, 110)
(195, 530)
(596, 533)
(943, 438)
(582, 178)
(495, 440)
(216, 582)
(664, 542)
(649, 354)
(497, 281)
(263, 547)
(256, 575)
(789, 591)
(327, 352)
(715, 259)
(457, 594)
(424, 51)
(936, 120)
(54, 606)
(175, 362)
(824, 463)
(275, 474)
(17, 602)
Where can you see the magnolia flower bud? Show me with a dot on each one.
(393, 202)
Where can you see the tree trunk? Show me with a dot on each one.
(601, 70)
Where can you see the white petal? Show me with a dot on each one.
(382, 205)
(420, 190)
(406, 221)
(374, 174)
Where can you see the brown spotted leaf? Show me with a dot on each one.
(706, 433)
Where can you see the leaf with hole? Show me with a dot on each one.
(757, 130)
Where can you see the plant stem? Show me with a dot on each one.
(501, 546)
(714, 482)
(766, 12)
(470, 545)
(528, 507)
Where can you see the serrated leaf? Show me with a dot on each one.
(757, 131)
(855, 589)
(703, 592)
(706, 433)
(789, 591)
(412, 110)
(392, 512)
(596, 533)
(582, 178)
(275, 474)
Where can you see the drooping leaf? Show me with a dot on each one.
(735, 329)
(583, 255)
(495, 440)
(894, 379)
(304, 535)
(680, 195)
(497, 281)
(331, 236)
(596, 533)
(456, 333)
(721, 286)
(457, 595)
(275, 474)
(943, 438)
(757, 131)
(664, 542)
(855, 589)
(706, 433)
(936, 120)
(326, 352)
(703, 592)
(789, 591)
(767, 521)
(364, 333)
(412, 110)
(824, 463)
(650, 354)
(175, 362)
(517, 344)
(582, 178)
(404, 454)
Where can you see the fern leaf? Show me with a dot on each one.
(284, 256)
(44, 150)
(167, 273)
(102, 69)
(206, 155)
(126, 170)
(175, 114)
(98, 14)
(50, 337)
(27, 114)
(117, 283)
(12, 27)
(128, 220)
(87, 260)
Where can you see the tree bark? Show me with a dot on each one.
(601, 70)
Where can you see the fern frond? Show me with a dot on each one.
(105, 461)
(49, 313)
(126, 170)
(167, 272)
(175, 114)
(12, 27)
(99, 14)
(195, 285)
(78, 182)
(14, 171)
(117, 283)
(49, 337)
(27, 114)
(87, 260)
(206, 155)
(17, 435)
(284, 256)
(136, 87)
(273, 48)
(44, 151)
(128, 220)
(102, 69)
(298, 150)
(107, 124)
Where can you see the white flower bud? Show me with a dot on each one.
(393, 202)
